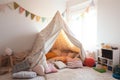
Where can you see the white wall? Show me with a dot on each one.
(17, 31)
(71, 3)
(108, 21)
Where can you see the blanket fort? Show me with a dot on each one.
(47, 37)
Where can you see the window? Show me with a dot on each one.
(84, 26)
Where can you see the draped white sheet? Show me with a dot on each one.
(47, 37)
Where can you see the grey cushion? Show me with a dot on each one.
(22, 66)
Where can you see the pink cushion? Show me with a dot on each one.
(39, 69)
(74, 64)
(51, 68)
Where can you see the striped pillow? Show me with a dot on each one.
(75, 64)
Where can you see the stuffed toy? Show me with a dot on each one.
(8, 51)
(6, 61)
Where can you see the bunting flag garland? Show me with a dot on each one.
(87, 9)
(37, 18)
(2, 7)
(10, 5)
(21, 10)
(63, 14)
(32, 16)
(43, 19)
(82, 15)
(15, 5)
(26, 13)
(92, 3)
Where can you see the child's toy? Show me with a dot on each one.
(89, 62)
(99, 68)
(116, 72)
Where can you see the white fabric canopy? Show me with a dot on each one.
(47, 37)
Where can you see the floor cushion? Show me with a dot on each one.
(90, 62)
(24, 75)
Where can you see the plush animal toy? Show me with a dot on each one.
(6, 61)
(8, 51)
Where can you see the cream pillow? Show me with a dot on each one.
(59, 64)
(57, 51)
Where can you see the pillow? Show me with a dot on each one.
(39, 69)
(90, 62)
(77, 55)
(72, 55)
(50, 55)
(59, 64)
(24, 75)
(72, 59)
(60, 58)
(68, 59)
(63, 54)
(74, 64)
(22, 66)
(57, 51)
(51, 68)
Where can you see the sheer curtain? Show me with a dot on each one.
(84, 26)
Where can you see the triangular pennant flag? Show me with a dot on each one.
(43, 19)
(63, 14)
(10, 5)
(32, 16)
(15, 5)
(27, 13)
(87, 9)
(92, 3)
(2, 7)
(82, 15)
(21, 10)
(37, 18)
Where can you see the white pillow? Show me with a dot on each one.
(24, 75)
(59, 64)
